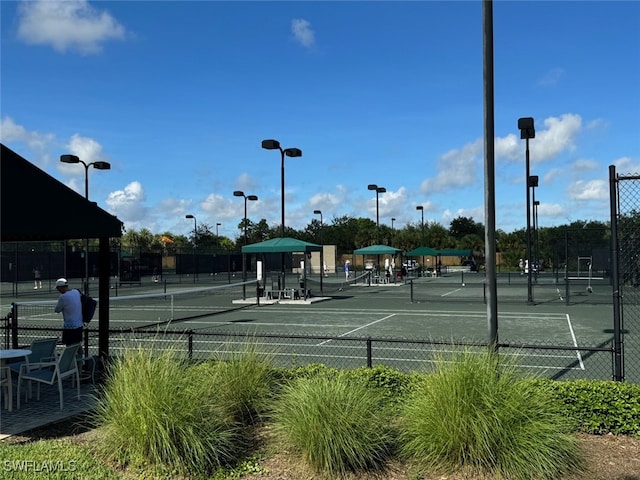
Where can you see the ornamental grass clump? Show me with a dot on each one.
(476, 413)
(335, 424)
(155, 410)
(245, 381)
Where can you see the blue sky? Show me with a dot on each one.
(178, 96)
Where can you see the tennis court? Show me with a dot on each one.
(406, 333)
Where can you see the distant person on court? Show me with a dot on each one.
(521, 266)
(71, 308)
(347, 264)
(37, 280)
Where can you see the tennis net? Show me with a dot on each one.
(333, 286)
(143, 310)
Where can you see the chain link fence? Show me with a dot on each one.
(561, 362)
(626, 222)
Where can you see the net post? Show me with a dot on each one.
(258, 292)
(411, 289)
(566, 284)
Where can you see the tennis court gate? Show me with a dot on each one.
(625, 244)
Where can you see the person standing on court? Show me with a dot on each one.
(71, 308)
(347, 264)
(37, 280)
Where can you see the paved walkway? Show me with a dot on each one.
(38, 413)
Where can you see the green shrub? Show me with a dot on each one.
(156, 410)
(476, 413)
(336, 424)
(598, 406)
(244, 382)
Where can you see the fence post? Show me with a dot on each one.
(618, 374)
(14, 325)
(369, 353)
(190, 344)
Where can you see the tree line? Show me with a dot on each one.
(549, 244)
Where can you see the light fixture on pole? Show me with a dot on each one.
(99, 165)
(253, 198)
(527, 131)
(195, 242)
(378, 190)
(289, 152)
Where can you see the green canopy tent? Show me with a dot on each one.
(377, 250)
(423, 252)
(282, 245)
(285, 245)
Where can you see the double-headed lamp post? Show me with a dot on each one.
(253, 198)
(527, 131)
(289, 152)
(378, 190)
(195, 241)
(99, 165)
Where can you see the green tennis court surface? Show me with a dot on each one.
(384, 312)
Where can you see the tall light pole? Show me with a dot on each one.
(536, 204)
(393, 232)
(378, 190)
(527, 131)
(289, 152)
(195, 241)
(322, 269)
(67, 158)
(253, 198)
(421, 208)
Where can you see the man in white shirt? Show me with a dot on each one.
(71, 308)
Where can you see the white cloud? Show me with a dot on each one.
(560, 135)
(551, 78)
(67, 25)
(588, 190)
(585, 164)
(626, 165)
(38, 142)
(456, 168)
(128, 205)
(302, 32)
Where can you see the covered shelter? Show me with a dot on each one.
(432, 252)
(376, 250)
(285, 245)
(34, 206)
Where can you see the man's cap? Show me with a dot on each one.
(61, 282)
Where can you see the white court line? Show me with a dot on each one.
(361, 327)
(575, 342)
(452, 291)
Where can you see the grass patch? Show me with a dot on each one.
(336, 424)
(477, 413)
(155, 410)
